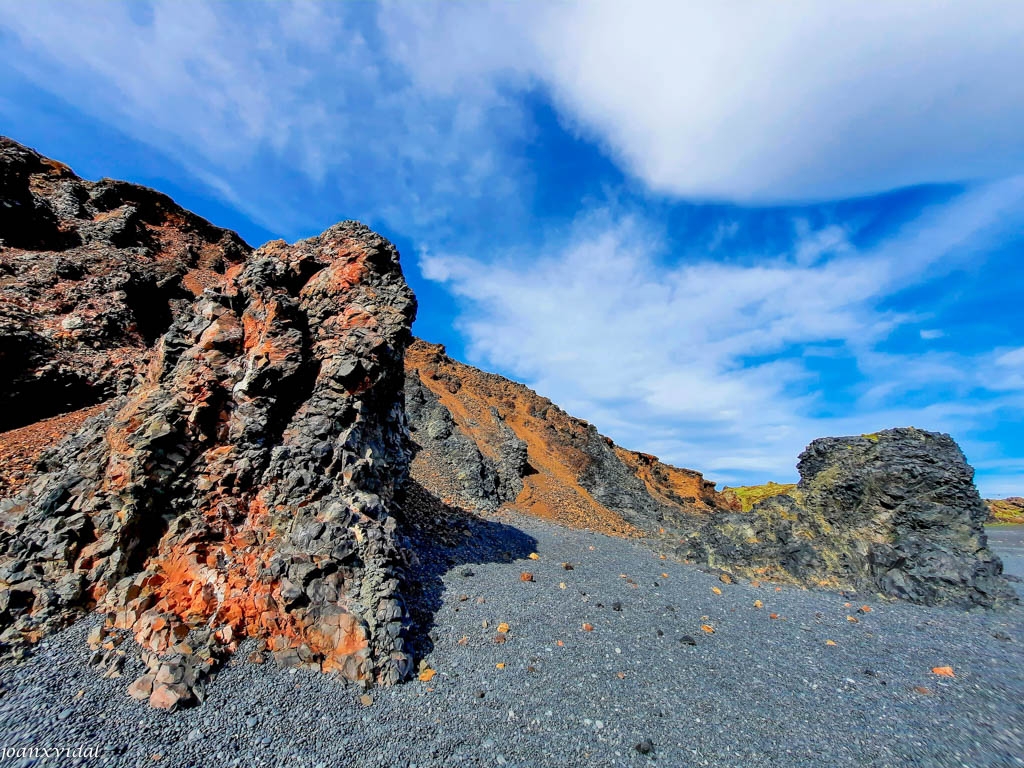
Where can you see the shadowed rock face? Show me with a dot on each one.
(895, 512)
(243, 487)
(91, 273)
(482, 441)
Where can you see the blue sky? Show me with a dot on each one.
(716, 231)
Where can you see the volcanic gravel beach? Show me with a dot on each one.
(646, 685)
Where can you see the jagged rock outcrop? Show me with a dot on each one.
(894, 512)
(242, 488)
(482, 441)
(91, 274)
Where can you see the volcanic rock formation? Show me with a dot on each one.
(242, 488)
(237, 436)
(894, 512)
(91, 273)
(482, 441)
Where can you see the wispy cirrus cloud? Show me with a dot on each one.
(257, 99)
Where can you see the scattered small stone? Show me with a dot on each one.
(645, 747)
(567, 566)
(526, 576)
(467, 572)
(617, 606)
(687, 640)
(366, 700)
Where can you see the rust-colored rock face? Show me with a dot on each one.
(91, 273)
(483, 441)
(242, 488)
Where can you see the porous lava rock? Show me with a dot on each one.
(895, 512)
(482, 441)
(91, 274)
(242, 488)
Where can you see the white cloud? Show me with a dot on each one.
(755, 101)
(711, 365)
(735, 100)
(930, 334)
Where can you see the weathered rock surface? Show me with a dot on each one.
(482, 441)
(91, 274)
(895, 512)
(243, 487)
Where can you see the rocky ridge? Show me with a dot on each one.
(1009, 510)
(482, 441)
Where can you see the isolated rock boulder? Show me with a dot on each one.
(895, 512)
(91, 274)
(243, 487)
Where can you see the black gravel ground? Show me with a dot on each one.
(757, 692)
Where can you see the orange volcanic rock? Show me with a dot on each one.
(482, 441)
(91, 273)
(243, 487)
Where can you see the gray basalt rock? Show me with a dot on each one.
(243, 487)
(895, 513)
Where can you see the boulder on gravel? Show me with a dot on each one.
(243, 487)
(894, 512)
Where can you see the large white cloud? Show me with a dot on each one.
(755, 101)
(732, 99)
